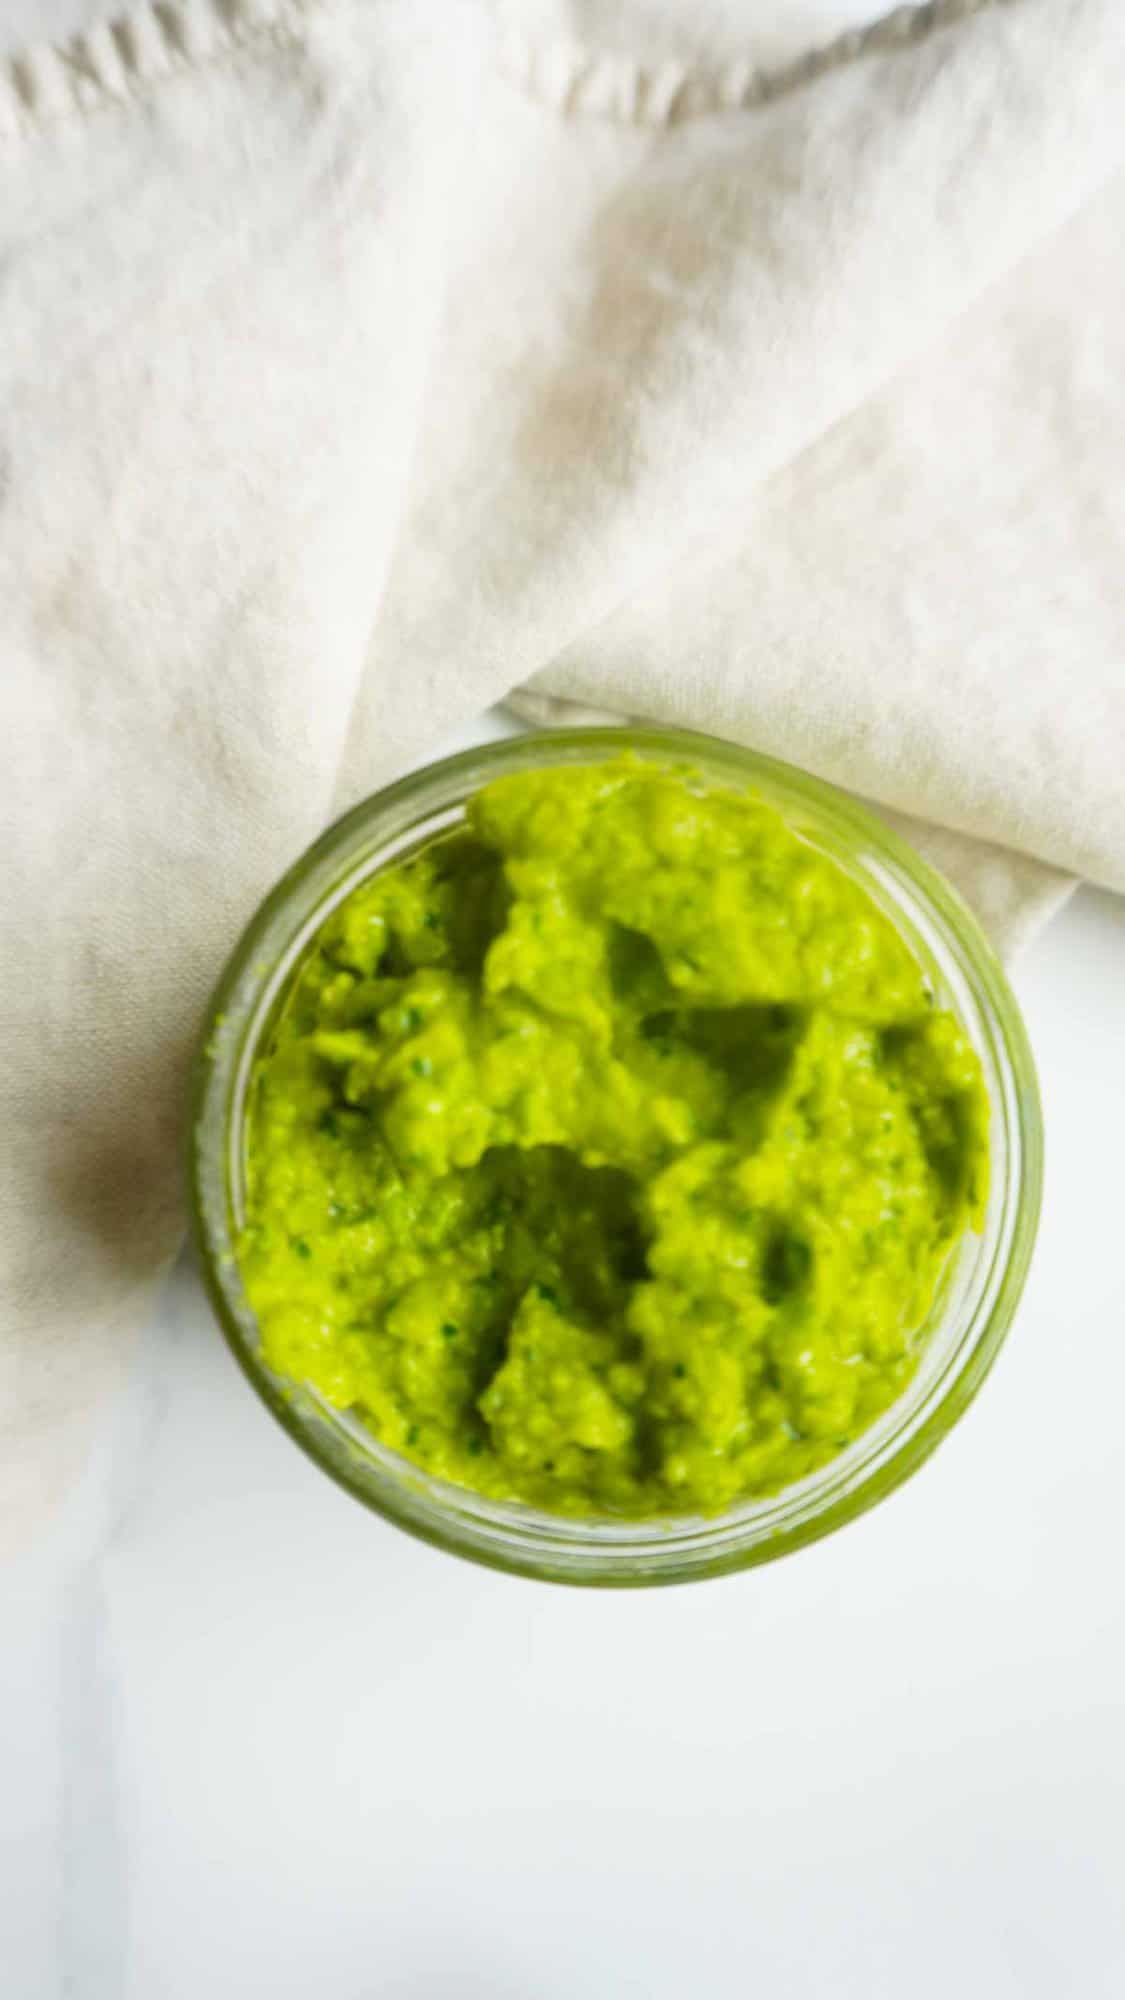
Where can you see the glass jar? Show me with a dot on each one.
(976, 1299)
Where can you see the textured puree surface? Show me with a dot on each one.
(607, 1154)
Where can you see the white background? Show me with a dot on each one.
(257, 1743)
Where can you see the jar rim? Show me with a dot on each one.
(976, 1301)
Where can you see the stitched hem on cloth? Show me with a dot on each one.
(48, 82)
(620, 86)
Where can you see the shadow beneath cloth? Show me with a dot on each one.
(116, 1173)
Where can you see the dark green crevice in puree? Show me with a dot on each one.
(608, 1153)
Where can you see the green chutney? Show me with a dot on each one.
(606, 1154)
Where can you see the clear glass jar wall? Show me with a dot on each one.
(969, 1318)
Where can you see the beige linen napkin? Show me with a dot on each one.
(803, 421)
(220, 238)
(361, 361)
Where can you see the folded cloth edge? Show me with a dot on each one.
(49, 81)
(1012, 895)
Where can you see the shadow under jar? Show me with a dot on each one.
(979, 1288)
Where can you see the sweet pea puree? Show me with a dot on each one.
(606, 1155)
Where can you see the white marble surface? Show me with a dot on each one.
(256, 1743)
